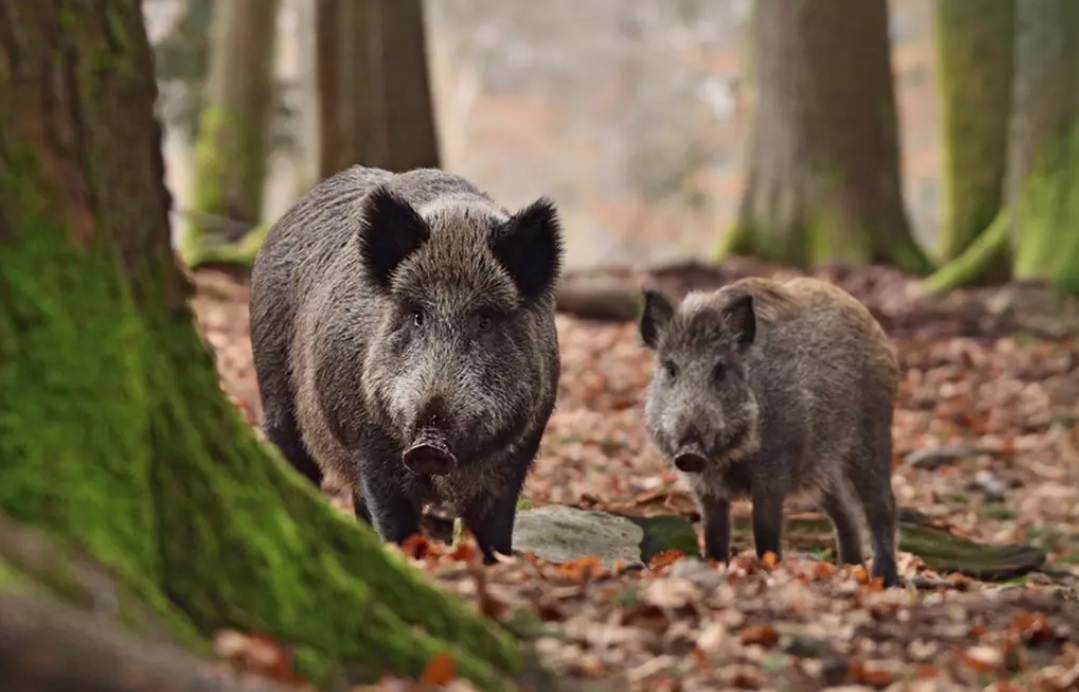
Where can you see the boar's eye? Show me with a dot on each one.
(417, 316)
(670, 368)
(485, 322)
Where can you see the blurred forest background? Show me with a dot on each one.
(633, 115)
(877, 136)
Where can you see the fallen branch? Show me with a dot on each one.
(606, 303)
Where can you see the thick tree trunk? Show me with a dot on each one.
(114, 435)
(823, 174)
(975, 45)
(231, 151)
(374, 86)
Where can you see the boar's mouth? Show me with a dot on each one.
(429, 454)
(690, 458)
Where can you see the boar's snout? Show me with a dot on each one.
(690, 458)
(429, 454)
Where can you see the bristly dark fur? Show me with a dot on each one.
(385, 307)
(780, 388)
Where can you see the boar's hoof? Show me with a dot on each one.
(690, 459)
(429, 455)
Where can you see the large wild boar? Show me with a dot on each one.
(764, 389)
(404, 340)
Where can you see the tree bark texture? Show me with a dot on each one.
(231, 152)
(375, 103)
(975, 44)
(823, 178)
(114, 435)
(1043, 180)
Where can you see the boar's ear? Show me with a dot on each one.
(656, 312)
(529, 246)
(391, 231)
(741, 319)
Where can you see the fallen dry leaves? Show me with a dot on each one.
(986, 444)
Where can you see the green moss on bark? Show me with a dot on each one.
(1048, 241)
(73, 405)
(975, 42)
(970, 266)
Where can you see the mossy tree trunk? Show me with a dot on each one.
(823, 178)
(231, 152)
(114, 435)
(1043, 182)
(1042, 185)
(375, 103)
(975, 42)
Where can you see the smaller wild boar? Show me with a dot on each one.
(766, 389)
(404, 341)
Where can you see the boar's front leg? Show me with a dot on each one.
(490, 516)
(716, 518)
(392, 512)
(491, 521)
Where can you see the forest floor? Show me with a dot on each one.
(986, 444)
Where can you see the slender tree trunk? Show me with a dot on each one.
(975, 44)
(823, 178)
(114, 435)
(375, 97)
(306, 15)
(231, 153)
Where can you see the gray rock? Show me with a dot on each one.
(557, 533)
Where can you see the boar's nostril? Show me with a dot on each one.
(690, 458)
(429, 454)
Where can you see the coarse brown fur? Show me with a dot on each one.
(386, 308)
(767, 389)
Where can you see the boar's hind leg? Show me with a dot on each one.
(716, 517)
(280, 428)
(840, 508)
(767, 520)
(870, 473)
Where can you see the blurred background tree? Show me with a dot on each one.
(375, 105)
(822, 182)
(231, 147)
(975, 43)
